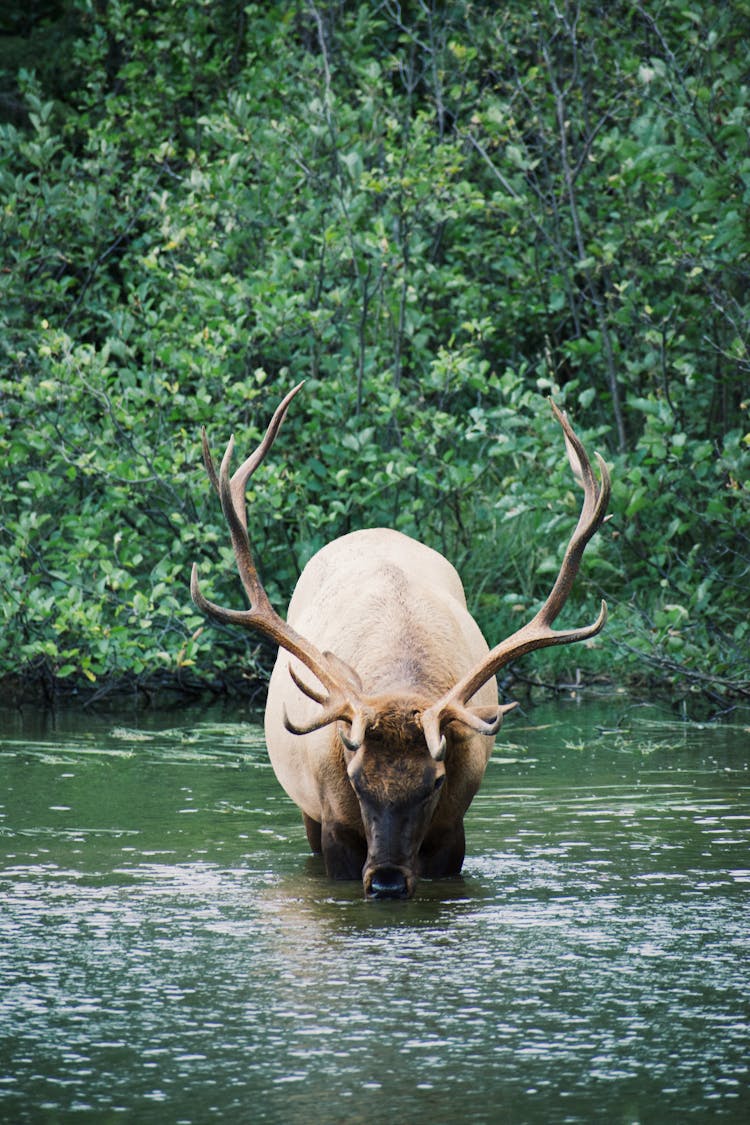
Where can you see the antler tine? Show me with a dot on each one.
(483, 720)
(208, 461)
(248, 467)
(333, 711)
(240, 540)
(593, 510)
(242, 475)
(538, 633)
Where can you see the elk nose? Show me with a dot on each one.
(387, 882)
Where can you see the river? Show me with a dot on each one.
(170, 952)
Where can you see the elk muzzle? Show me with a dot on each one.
(388, 881)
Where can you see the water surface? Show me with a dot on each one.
(169, 951)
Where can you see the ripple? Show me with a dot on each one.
(592, 965)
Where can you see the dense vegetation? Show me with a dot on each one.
(437, 214)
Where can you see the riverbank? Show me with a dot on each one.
(37, 687)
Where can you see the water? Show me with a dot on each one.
(169, 952)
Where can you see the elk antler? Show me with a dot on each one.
(538, 633)
(340, 699)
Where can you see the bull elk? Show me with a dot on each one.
(381, 724)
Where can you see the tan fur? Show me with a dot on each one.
(395, 611)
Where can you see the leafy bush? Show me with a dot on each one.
(436, 217)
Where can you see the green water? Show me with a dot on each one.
(169, 952)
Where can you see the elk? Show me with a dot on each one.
(383, 704)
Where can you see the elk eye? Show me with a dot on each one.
(439, 781)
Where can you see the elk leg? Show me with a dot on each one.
(313, 830)
(344, 851)
(444, 854)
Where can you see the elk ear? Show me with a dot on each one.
(344, 671)
(488, 717)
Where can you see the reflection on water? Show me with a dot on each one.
(170, 952)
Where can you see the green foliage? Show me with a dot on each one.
(435, 216)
